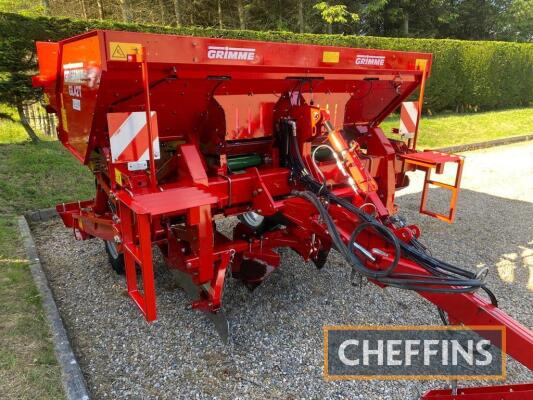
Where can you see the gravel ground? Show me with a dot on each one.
(277, 346)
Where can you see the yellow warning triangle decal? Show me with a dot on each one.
(118, 53)
(119, 50)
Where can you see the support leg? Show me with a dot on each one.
(147, 268)
(140, 255)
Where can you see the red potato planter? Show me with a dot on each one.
(179, 131)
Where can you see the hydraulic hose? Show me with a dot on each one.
(347, 250)
(454, 279)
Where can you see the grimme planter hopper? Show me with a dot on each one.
(179, 131)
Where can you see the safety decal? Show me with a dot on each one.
(128, 136)
(119, 51)
(330, 57)
(408, 118)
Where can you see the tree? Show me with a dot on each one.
(46, 7)
(177, 13)
(162, 11)
(415, 18)
(476, 19)
(24, 7)
(16, 90)
(301, 22)
(219, 13)
(518, 21)
(100, 8)
(462, 19)
(17, 65)
(83, 9)
(126, 10)
(241, 12)
(335, 14)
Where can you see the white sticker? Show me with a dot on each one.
(74, 91)
(76, 104)
(73, 76)
(137, 165)
(73, 65)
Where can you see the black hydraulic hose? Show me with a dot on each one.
(292, 139)
(346, 251)
(430, 263)
(440, 270)
(410, 250)
(403, 281)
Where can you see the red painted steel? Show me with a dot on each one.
(429, 160)
(222, 103)
(501, 392)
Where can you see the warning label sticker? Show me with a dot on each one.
(118, 177)
(119, 51)
(330, 56)
(421, 64)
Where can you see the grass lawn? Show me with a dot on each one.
(41, 175)
(455, 129)
(31, 177)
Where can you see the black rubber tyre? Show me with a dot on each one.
(116, 259)
(262, 225)
(252, 220)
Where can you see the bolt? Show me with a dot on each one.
(117, 239)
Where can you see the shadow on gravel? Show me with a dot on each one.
(488, 231)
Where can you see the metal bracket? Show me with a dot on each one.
(427, 161)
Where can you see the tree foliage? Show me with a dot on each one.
(465, 74)
(335, 14)
(458, 19)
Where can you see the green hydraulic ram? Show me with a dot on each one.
(241, 162)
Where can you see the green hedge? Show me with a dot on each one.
(466, 74)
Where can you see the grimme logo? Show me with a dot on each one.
(230, 53)
(73, 73)
(369, 60)
(414, 352)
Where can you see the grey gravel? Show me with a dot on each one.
(277, 344)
